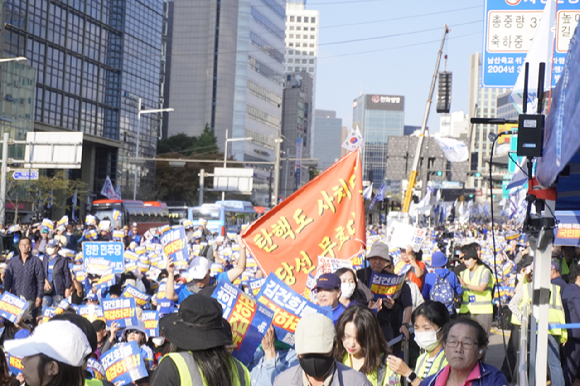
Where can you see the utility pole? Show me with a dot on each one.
(3, 177)
(415, 169)
(276, 188)
(201, 177)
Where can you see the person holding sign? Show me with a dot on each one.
(477, 282)
(138, 334)
(199, 338)
(315, 339)
(327, 291)
(53, 355)
(57, 281)
(24, 276)
(362, 346)
(417, 272)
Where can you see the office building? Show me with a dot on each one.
(296, 123)
(227, 72)
(410, 130)
(378, 117)
(329, 138)
(94, 59)
(454, 125)
(482, 103)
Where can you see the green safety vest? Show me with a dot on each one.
(93, 382)
(555, 311)
(190, 375)
(439, 362)
(477, 303)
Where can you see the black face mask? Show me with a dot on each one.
(316, 365)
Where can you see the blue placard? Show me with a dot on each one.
(97, 370)
(175, 245)
(124, 364)
(91, 312)
(121, 310)
(567, 231)
(248, 319)
(509, 26)
(104, 251)
(289, 307)
(141, 298)
(385, 285)
(14, 364)
(151, 320)
(165, 307)
(12, 307)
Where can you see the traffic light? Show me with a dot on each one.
(477, 174)
(439, 173)
(444, 93)
(471, 196)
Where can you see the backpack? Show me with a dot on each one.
(443, 292)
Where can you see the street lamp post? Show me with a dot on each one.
(150, 111)
(226, 152)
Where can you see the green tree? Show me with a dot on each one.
(56, 189)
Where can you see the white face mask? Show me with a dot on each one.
(51, 251)
(158, 341)
(347, 289)
(427, 340)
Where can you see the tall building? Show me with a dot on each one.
(482, 103)
(296, 123)
(454, 125)
(378, 117)
(329, 138)
(227, 72)
(302, 44)
(93, 60)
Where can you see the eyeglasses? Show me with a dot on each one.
(454, 343)
(132, 332)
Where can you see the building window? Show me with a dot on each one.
(291, 28)
(304, 61)
(298, 28)
(299, 19)
(313, 20)
(297, 45)
(311, 61)
(291, 36)
(311, 70)
(291, 18)
(311, 53)
(306, 19)
(312, 29)
(311, 36)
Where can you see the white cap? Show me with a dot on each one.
(314, 335)
(202, 221)
(219, 239)
(58, 339)
(199, 268)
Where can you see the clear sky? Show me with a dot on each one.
(401, 64)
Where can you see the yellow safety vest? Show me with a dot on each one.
(93, 382)
(190, 375)
(377, 378)
(438, 364)
(555, 311)
(477, 302)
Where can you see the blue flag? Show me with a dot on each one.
(379, 197)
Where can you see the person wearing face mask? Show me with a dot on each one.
(314, 342)
(362, 347)
(429, 320)
(327, 292)
(57, 276)
(352, 291)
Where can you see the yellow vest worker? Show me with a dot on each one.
(190, 374)
(438, 363)
(473, 301)
(555, 311)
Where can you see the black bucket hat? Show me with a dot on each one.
(198, 325)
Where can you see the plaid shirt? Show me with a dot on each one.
(25, 280)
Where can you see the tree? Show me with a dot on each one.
(55, 191)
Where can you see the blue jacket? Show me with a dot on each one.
(490, 376)
(61, 277)
(263, 372)
(571, 303)
(430, 279)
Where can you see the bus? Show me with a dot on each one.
(177, 214)
(224, 216)
(147, 214)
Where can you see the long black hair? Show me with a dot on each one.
(215, 364)
(67, 375)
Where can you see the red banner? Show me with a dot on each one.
(323, 218)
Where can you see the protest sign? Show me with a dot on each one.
(121, 311)
(165, 306)
(405, 234)
(123, 364)
(141, 298)
(308, 290)
(48, 313)
(15, 364)
(324, 218)
(98, 252)
(249, 320)
(96, 369)
(289, 307)
(151, 320)
(330, 265)
(12, 307)
(80, 275)
(63, 305)
(107, 280)
(385, 285)
(91, 312)
(175, 246)
(256, 284)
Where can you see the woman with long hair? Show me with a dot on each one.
(53, 355)
(362, 346)
(199, 338)
(429, 320)
(352, 291)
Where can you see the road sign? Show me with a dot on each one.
(509, 28)
(478, 193)
(28, 174)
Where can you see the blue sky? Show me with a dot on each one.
(398, 65)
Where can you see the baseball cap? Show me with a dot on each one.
(202, 221)
(315, 334)
(219, 239)
(53, 243)
(58, 339)
(470, 254)
(328, 281)
(199, 268)
(45, 230)
(91, 296)
(380, 250)
(556, 266)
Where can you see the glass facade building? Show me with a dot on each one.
(94, 59)
(378, 117)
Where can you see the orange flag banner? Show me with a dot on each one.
(324, 218)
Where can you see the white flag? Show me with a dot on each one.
(108, 190)
(353, 141)
(540, 51)
(118, 192)
(454, 150)
(368, 192)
